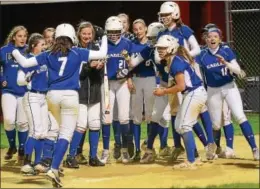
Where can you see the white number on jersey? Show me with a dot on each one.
(224, 71)
(148, 62)
(63, 61)
(121, 64)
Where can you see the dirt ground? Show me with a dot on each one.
(157, 175)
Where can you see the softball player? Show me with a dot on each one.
(189, 83)
(118, 90)
(170, 16)
(48, 35)
(63, 63)
(144, 82)
(219, 64)
(12, 94)
(35, 105)
(89, 108)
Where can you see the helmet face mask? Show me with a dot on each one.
(66, 30)
(114, 28)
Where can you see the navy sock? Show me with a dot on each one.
(229, 134)
(106, 136)
(137, 136)
(176, 136)
(77, 136)
(148, 128)
(22, 137)
(161, 132)
(199, 132)
(152, 134)
(131, 131)
(189, 143)
(165, 136)
(11, 136)
(93, 142)
(206, 121)
(117, 132)
(124, 133)
(38, 147)
(248, 133)
(48, 149)
(217, 136)
(60, 150)
(81, 143)
(29, 145)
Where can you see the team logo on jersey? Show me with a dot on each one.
(115, 55)
(43, 68)
(9, 56)
(214, 65)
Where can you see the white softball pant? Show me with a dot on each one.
(13, 113)
(119, 93)
(64, 106)
(89, 117)
(190, 108)
(217, 96)
(144, 94)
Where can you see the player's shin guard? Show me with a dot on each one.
(137, 136)
(229, 134)
(60, 150)
(200, 134)
(176, 136)
(248, 133)
(217, 136)
(38, 147)
(153, 133)
(81, 143)
(117, 132)
(77, 136)
(207, 123)
(106, 136)
(48, 149)
(22, 137)
(11, 136)
(124, 132)
(93, 142)
(189, 143)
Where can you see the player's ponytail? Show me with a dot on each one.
(63, 45)
(182, 51)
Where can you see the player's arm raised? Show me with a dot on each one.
(101, 54)
(233, 66)
(23, 61)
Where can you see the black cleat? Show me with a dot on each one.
(137, 156)
(71, 162)
(131, 149)
(9, 154)
(95, 162)
(117, 151)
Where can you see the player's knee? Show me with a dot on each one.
(241, 119)
(216, 126)
(94, 125)
(123, 122)
(81, 129)
(164, 123)
(22, 127)
(183, 129)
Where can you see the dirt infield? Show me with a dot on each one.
(157, 175)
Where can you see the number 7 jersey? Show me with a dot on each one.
(216, 74)
(63, 71)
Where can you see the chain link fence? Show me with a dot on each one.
(243, 35)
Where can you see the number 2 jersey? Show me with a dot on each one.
(216, 73)
(63, 71)
(115, 60)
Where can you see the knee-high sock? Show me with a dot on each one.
(60, 150)
(161, 132)
(29, 145)
(153, 133)
(117, 132)
(48, 149)
(106, 136)
(189, 143)
(81, 144)
(125, 132)
(248, 133)
(93, 142)
(11, 136)
(206, 121)
(176, 136)
(229, 134)
(137, 136)
(217, 136)
(199, 132)
(22, 137)
(77, 136)
(38, 147)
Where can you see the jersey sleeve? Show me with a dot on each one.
(84, 54)
(177, 66)
(42, 58)
(187, 31)
(230, 54)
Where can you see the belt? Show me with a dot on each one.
(38, 92)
